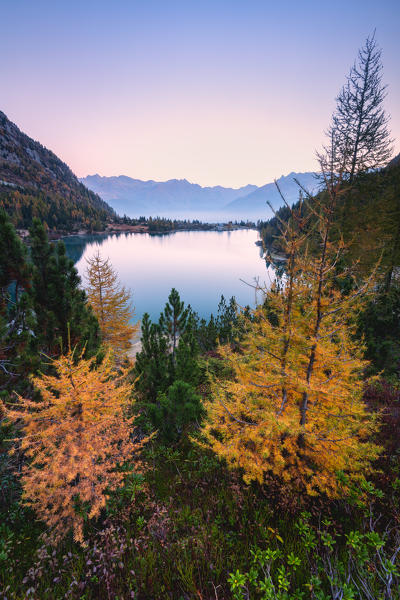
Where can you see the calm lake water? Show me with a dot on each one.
(201, 265)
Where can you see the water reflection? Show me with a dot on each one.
(76, 244)
(201, 265)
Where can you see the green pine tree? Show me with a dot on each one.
(152, 364)
(187, 353)
(173, 320)
(208, 334)
(176, 412)
(227, 320)
(379, 327)
(62, 312)
(17, 358)
(16, 318)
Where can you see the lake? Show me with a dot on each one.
(201, 265)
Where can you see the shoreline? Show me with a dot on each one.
(117, 228)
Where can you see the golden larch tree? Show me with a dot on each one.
(75, 438)
(111, 304)
(294, 407)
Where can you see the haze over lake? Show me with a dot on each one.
(201, 265)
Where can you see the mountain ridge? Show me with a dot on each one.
(183, 199)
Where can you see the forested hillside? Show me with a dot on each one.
(367, 216)
(34, 182)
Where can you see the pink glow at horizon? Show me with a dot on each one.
(219, 93)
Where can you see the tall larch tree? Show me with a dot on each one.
(75, 439)
(360, 123)
(294, 408)
(111, 304)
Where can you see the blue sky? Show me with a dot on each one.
(215, 92)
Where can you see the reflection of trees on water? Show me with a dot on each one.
(76, 244)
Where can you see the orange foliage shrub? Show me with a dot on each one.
(75, 438)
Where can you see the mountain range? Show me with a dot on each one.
(35, 182)
(179, 198)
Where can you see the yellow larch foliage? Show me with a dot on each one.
(111, 304)
(294, 407)
(74, 439)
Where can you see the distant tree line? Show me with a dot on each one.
(164, 225)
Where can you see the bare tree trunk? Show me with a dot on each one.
(360, 118)
(310, 367)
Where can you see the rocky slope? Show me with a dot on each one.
(35, 182)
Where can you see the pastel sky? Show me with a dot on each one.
(215, 91)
